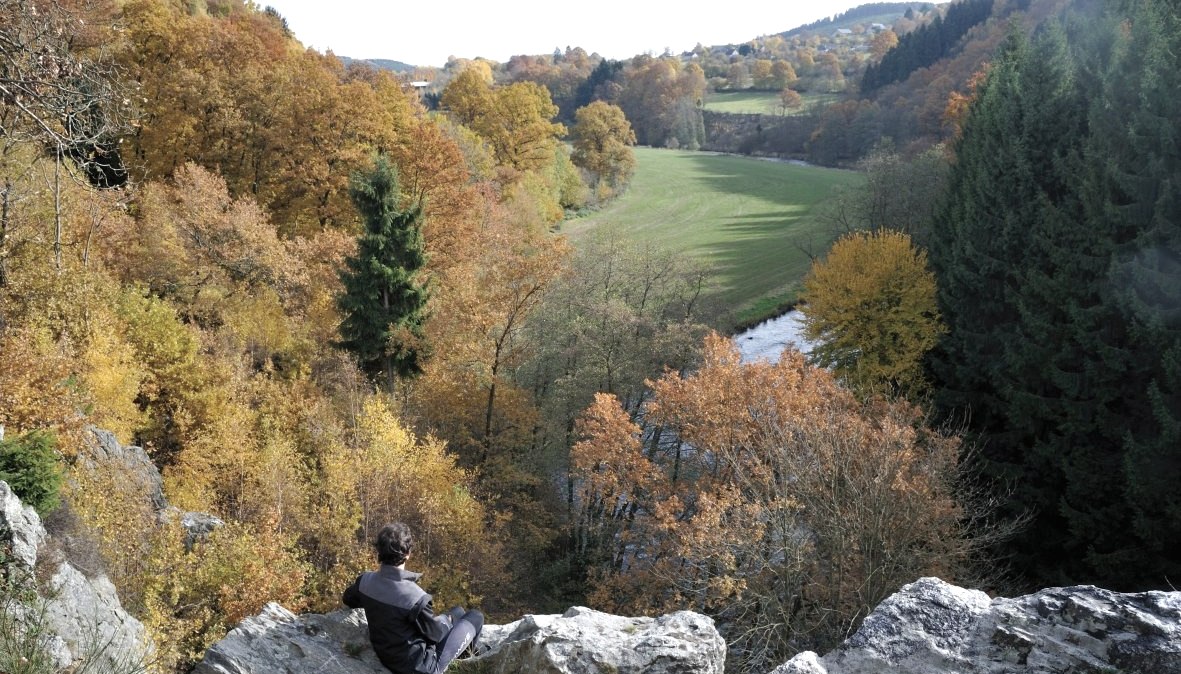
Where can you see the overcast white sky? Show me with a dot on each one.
(426, 32)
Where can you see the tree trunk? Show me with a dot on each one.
(387, 360)
(4, 205)
(488, 418)
(57, 211)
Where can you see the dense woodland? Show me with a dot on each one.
(321, 302)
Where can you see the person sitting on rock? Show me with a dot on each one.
(405, 632)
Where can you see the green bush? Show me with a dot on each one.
(29, 465)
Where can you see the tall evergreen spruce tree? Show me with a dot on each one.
(1135, 195)
(1010, 205)
(384, 300)
(1058, 253)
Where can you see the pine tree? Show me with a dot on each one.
(384, 302)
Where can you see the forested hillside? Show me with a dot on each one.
(926, 45)
(322, 300)
(182, 191)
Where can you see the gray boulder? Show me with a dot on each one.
(276, 640)
(81, 618)
(932, 627)
(584, 641)
(20, 529)
(581, 641)
(102, 451)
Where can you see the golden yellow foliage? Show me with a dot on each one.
(385, 473)
(193, 597)
(870, 307)
(602, 143)
(116, 503)
(514, 120)
(37, 386)
(113, 376)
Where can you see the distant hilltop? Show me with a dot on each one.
(382, 64)
(881, 12)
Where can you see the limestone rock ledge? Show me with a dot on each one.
(81, 617)
(932, 627)
(581, 641)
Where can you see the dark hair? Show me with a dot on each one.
(393, 543)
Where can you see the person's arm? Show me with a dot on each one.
(434, 628)
(352, 594)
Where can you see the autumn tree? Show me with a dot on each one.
(790, 99)
(783, 75)
(771, 499)
(762, 72)
(384, 300)
(516, 120)
(870, 308)
(882, 43)
(197, 246)
(63, 99)
(467, 96)
(602, 144)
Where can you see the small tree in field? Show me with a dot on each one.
(602, 143)
(790, 99)
(870, 307)
(384, 302)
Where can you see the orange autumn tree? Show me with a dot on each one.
(765, 495)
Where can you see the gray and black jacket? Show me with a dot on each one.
(403, 626)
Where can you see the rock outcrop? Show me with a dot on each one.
(80, 619)
(102, 451)
(581, 641)
(931, 627)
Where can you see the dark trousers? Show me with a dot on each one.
(465, 629)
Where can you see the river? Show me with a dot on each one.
(767, 340)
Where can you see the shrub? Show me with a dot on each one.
(29, 465)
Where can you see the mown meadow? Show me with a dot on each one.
(752, 102)
(752, 221)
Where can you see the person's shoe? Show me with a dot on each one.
(476, 649)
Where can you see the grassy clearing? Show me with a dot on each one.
(745, 218)
(760, 102)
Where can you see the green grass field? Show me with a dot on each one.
(760, 102)
(744, 217)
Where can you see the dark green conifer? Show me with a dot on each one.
(1059, 259)
(1011, 208)
(1134, 195)
(384, 302)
